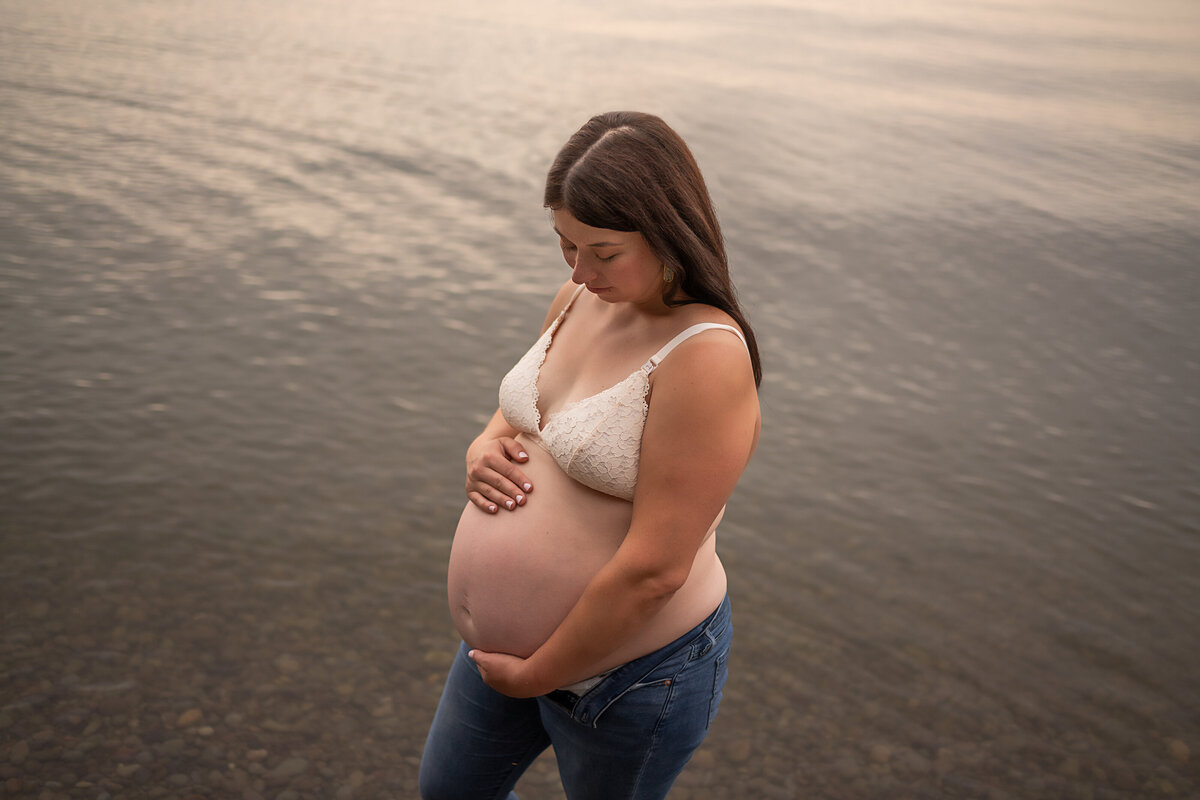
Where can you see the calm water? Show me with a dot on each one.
(263, 265)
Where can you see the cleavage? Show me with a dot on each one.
(567, 394)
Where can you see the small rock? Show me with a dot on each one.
(1123, 777)
(739, 751)
(233, 719)
(179, 779)
(190, 717)
(205, 730)
(287, 664)
(39, 610)
(1178, 751)
(92, 726)
(881, 753)
(911, 761)
(125, 770)
(256, 755)
(290, 768)
(345, 793)
(1069, 768)
(19, 752)
(12, 785)
(144, 757)
(171, 747)
(384, 709)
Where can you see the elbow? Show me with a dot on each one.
(660, 584)
(653, 574)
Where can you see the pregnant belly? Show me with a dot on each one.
(515, 575)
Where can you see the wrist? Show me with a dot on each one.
(538, 678)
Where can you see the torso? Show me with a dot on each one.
(514, 576)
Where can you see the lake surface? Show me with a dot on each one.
(263, 265)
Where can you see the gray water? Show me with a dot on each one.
(263, 265)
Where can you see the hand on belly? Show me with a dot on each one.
(515, 575)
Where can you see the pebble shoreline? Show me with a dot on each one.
(315, 676)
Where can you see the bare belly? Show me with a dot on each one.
(514, 576)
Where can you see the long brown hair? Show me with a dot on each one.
(629, 171)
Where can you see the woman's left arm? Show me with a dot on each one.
(701, 428)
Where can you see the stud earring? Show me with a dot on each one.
(668, 274)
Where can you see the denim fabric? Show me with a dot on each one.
(629, 736)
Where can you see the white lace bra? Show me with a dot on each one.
(596, 440)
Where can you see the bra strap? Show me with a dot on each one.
(561, 314)
(571, 302)
(686, 334)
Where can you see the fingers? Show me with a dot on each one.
(513, 449)
(491, 491)
(515, 452)
(494, 481)
(482, 502)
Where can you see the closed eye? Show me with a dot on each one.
(568, 247)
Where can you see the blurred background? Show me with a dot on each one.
(262, 266)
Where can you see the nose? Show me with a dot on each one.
(580, 273)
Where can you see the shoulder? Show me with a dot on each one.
(715, 357)
(705, 384)
(710, 366)
(700, 347)
(695, 313)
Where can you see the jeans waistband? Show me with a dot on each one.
(702, 637)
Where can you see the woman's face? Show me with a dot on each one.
(616, 266)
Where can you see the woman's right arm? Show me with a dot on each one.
(494, 480)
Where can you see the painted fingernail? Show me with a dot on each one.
(528, 487)
(508, 504)
(470, 654)
(522, 454)
(491, 508)
(520, 498)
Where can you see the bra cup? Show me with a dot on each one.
(597, 440)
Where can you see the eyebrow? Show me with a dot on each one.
(593, 244)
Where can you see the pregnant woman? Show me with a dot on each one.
(584, 577)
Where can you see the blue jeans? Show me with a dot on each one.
(629, 736)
